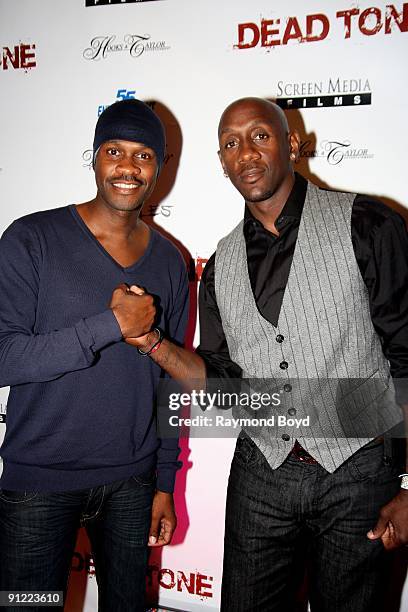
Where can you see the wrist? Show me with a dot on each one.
(149, 339)
(164, 494)
(165, 498)
(121, 321)
(155, 339)
(404, 482)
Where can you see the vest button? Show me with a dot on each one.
(286, 437)
(292, 411)
(287, 388)
(283, 365)
(279, 338)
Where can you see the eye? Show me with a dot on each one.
(144, 155)
(113, 151)
(230, 144)
(261, 136)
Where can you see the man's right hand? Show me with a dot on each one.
(134, 313)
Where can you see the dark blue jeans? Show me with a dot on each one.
(279, 521)
(38, 534)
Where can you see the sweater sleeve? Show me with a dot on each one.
(25, 356)
(167, 463)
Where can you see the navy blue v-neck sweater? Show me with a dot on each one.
(81, 407)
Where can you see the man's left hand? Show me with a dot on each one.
(392, 526)
(164, 519)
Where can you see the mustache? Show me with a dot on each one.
(127, 178)
(249, 167)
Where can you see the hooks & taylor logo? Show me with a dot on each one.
(134, 44)
(335, 151)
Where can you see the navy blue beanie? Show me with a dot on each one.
(131, 120)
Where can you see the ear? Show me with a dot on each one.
(294, 145)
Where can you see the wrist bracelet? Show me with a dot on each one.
(404, 481)
(155, 345)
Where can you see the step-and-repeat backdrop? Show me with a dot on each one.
(338, 68)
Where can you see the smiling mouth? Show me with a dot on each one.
(126, 186)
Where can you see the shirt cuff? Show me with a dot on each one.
(401, 390)
(166, 479)
(104, 329)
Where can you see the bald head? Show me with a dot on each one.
(269, 109)
(257, 150)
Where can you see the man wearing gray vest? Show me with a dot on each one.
(308, 293)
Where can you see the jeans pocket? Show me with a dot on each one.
(246, 451)
(146, 479)
(17, 497)
(368, 462)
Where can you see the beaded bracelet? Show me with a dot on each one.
(155, 346)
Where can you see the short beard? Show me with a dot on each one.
(131, 209)
(260, 198)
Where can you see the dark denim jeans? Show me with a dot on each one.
(38, 534)
(279, 521)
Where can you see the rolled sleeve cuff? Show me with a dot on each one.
(104, 329)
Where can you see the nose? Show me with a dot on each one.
(248, 151)
(128, 164)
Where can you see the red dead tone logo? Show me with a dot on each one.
(21, 56)
(193, 583)
(314, 28)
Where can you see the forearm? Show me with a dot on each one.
(26, 357)
(180, 364)
(40, 358)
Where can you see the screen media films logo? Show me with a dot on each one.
(334, 92)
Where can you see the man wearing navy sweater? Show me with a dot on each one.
(81, 445)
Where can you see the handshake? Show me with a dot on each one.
(135, 313)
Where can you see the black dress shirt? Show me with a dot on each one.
(380, 243)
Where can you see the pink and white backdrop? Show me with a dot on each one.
(338, 66)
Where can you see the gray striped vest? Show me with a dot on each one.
(337, 375)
